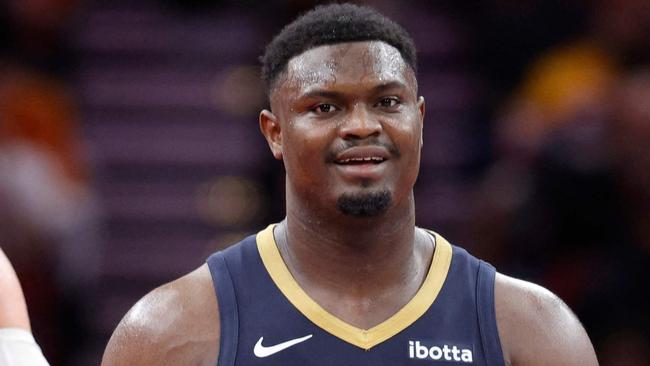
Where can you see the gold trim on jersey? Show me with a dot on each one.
(363, 338)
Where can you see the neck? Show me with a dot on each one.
(361, 254)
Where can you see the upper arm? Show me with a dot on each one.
(176, 324)
(13, 310)
(537, 328)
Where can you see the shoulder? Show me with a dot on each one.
(13, 310)
(537, 328)
(177, 323)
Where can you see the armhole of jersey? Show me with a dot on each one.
(487, 314)
(228, 315)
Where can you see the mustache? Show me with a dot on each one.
(348, 144)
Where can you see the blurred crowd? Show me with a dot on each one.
(48, 224)
(558, 193)
(566, 200)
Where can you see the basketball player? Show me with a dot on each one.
(17, 345)
(347, 278)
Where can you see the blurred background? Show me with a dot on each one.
(129, 150)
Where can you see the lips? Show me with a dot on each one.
(362, 155)
(371, 159)
(362, 163)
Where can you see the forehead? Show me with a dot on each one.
(346, 64)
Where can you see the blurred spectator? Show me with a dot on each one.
(42, 174)
(46, 206)
(566, 201)
(571, 82)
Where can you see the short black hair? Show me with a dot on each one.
(333, 24)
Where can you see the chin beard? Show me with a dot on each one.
(364, 204)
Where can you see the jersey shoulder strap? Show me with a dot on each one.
(226, 297)
(487, 313)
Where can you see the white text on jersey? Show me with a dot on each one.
(446, 352)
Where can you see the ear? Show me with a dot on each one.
(270, 127)
(421, 109)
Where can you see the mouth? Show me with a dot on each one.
(362, 163)
(360, 160)
(360, 155)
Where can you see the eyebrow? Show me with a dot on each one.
(323, 93)
(389, 85)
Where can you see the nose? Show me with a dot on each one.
(359, 124)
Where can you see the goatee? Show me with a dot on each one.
(364, 204)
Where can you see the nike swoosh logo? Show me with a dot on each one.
(262, 351)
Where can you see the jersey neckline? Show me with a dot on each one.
(363, 338)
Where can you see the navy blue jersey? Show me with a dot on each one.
(267, 319)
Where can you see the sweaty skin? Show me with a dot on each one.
(335, 102)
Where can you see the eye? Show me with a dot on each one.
(324, 108)
(389, 102)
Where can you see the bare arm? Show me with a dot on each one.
(536, 328)
(13, 310)
(176, 324)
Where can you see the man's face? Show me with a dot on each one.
(348, 127)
